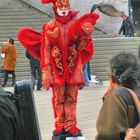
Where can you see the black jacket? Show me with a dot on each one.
(127, 28)
(33, 61)
(10, 124)
(118, 113)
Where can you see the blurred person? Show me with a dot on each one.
(127, 27)
(133, 133)
(118, 112)
(10, 128)
(9, 63)
(86, 75)
(35, 71)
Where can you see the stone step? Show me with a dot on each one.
(28, 20)
(21, 15)
(4, 29)
(105, 44)
(10, 32)
(20, 24)
(106, 48)
(12, 19)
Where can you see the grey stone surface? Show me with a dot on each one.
(89, 104)
(105, 23)
(36, 3)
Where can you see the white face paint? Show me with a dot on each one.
(62, 12)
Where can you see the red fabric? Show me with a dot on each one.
(48, 1)
(64, 104)
(76, 33)
(58, 66)
(87, 52)
(75, 131)
(54, 36)
(56, 3)
(67, 64)
(76, 30)
(58, 130)
(66, 19)
(31, 40)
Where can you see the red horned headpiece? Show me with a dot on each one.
(48, 1)
(61, 3)
(57, 3)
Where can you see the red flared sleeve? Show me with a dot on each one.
(87, 52)
(31, 40)
(76, 28)
(78, 36)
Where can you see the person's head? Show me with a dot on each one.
(124, 17)
(124, 70)
(61, 7)
(11, 41)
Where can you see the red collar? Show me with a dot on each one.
(66, 19)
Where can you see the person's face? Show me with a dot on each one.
(113, 84)
(124, 17)
(63, 8)
(7, 42)
(88, 28)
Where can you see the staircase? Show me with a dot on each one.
(12, 19)
(105, 48)
(23, 15)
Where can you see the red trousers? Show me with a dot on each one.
(64, 103)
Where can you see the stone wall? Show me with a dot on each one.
(6, 3)
(112, 24)
(36, 3)
(105, 23)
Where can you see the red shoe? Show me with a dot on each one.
(75, 131)
(58, 131)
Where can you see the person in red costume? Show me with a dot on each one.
(63, 47)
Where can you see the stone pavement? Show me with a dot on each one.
(89, 104)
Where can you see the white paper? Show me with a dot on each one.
(75, 138)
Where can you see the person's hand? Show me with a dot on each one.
(135, 34)
(47, 78)
(88, 29)
(53, 34)
(131, 135)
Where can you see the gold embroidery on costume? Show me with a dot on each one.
(54, 34)
(72, 57)
(56, 54)
(46, 39)
(47, 48)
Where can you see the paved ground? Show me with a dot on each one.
(89, 104)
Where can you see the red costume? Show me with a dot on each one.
(64, 45)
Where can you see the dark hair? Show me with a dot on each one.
(124, 15)
(11, 40)
(125, 69)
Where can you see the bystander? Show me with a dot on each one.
(9, 63)
(118, 112)
(127, 27)
(35, 71)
